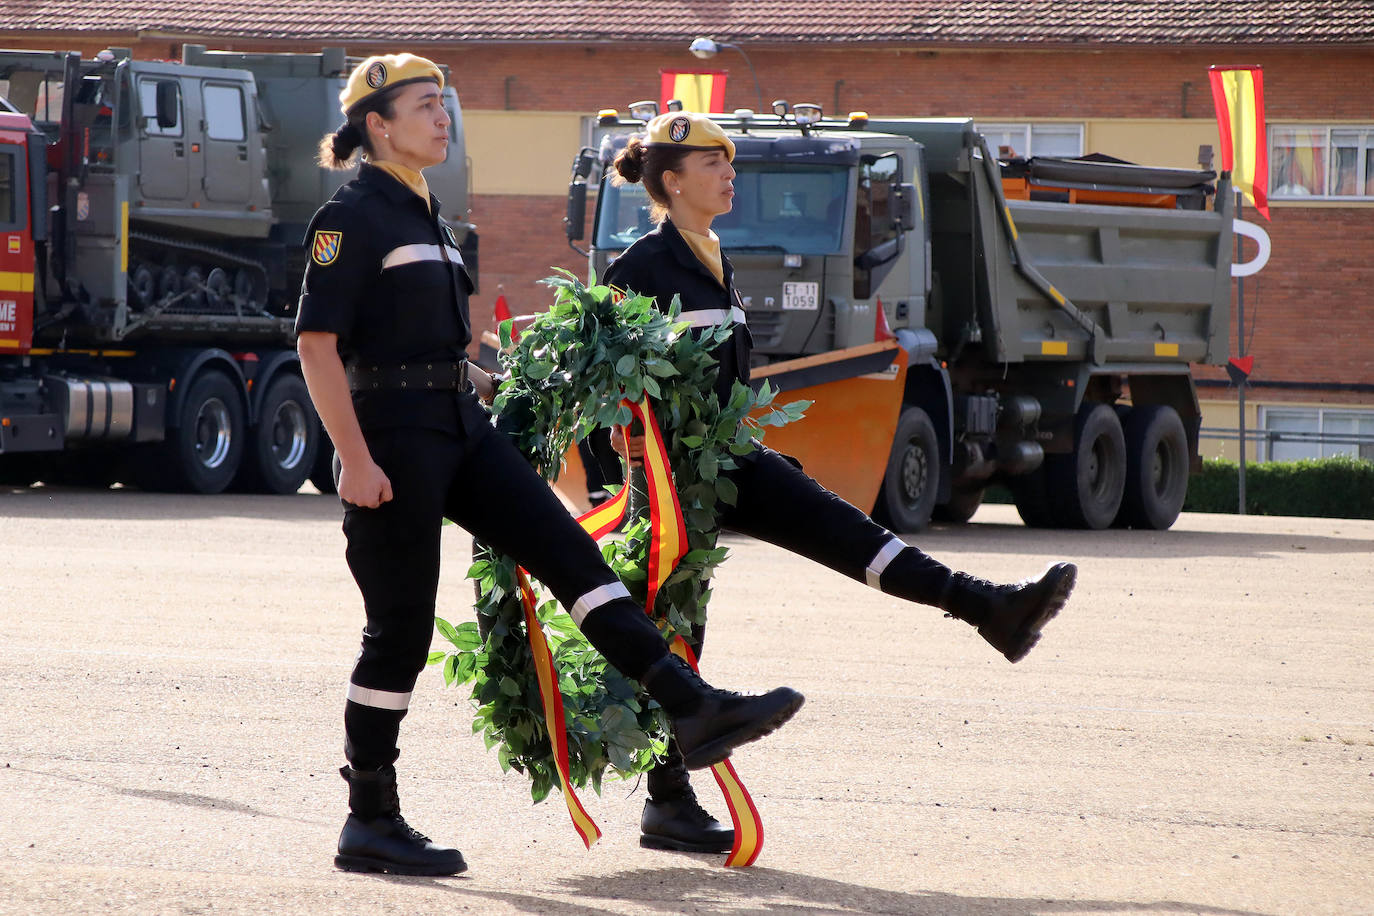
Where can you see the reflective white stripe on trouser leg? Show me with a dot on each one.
(378, 699)
(595, 598)
(881, 560)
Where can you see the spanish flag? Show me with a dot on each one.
(702, 91)
(1238, 93)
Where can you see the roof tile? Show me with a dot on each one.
(1098, 22)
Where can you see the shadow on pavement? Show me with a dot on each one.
(773, 891)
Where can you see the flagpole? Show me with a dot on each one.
(1240, 347)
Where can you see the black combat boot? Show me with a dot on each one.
(709, 723)
(376, 838)
(1010, 617)
(672, 817)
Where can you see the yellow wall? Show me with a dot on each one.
(530, 152)
(522, 152)
(1171, 143)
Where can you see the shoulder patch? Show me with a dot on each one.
(324, 250)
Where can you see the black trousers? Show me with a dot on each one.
(779, 503)
(474, 476)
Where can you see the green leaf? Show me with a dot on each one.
(509, 687)
(446, 629)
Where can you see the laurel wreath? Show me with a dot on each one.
(568, 373)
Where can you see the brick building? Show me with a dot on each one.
(1124, 78)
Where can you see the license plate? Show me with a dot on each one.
(801, 296)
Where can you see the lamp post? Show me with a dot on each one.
(705, 48)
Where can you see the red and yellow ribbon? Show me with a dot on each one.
(667, 545)
(552, 699)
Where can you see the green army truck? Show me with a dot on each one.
(962, 320)
(153, 215)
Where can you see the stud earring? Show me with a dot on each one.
(677, 190)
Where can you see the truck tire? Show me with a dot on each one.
(963, 503)
(1086, 486)
(912, 479)
(201, 454)
(322, 475)
(281, 448)
(1030, 492)
(1156, 467)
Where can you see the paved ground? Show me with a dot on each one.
(1194, 735)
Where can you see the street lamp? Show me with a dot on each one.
(705, 48)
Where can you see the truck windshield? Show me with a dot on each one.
(778, 207)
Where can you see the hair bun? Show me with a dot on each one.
(629, 164)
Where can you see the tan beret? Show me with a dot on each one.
(688, 130)
(386, 71)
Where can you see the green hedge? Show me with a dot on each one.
(1340, 487)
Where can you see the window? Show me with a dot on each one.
(147, 100)
(1064, 141)
(1331, 162)
(1317, 432)
(9, 191)
(224, 113)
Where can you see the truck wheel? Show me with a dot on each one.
(912, 479)
(322, 475)
(282, 447)
(1086, 485)
(202, 453)
(963, 502)
(1156, 467)
(1030, 492)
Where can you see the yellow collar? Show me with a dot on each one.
(406, 176)
(707, 250)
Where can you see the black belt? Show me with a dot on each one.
(409, 376)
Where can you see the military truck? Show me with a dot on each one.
(153, 214)
(962, 320)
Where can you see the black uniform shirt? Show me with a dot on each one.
(385, 275)
(661, 264)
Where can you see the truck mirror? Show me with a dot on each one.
(879, 254)
(905, 211)
(575, 222)
(168, 104)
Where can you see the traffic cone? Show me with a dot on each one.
(881, 329)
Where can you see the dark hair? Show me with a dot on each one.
(639, 161)
(337, 149)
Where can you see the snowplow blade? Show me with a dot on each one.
(845, 439)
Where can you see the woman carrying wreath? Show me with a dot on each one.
(684, 161)
(383, 327)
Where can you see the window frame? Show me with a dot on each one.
(1028, 129)
(212, 86)
(1328, 160)
(1322, 416)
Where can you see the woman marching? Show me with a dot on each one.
(383, 327)
(684, 161)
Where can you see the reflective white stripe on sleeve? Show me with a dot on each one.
(411, 254)
(709, 318)
(378, 699)
(595, 598)
(881, 561)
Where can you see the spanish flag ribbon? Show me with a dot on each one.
(552, 699)
(748, 824)
(668, 541)
(1238, 94)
